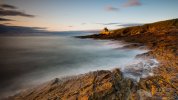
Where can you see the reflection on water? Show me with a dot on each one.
(34, 59)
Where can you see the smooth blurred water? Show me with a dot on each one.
(28, 60)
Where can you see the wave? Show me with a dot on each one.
(141, 68)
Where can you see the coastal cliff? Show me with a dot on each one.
(160, 38)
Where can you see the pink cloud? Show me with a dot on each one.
(131, 3)
(111, 8)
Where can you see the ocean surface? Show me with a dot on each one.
(30, 60)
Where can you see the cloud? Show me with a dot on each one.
(121, 24)
(83, 23)
(111, 23)
(131, 3)
(6, 12)
(15, 30)
(130, 24)
(8, 6)
(70, 26)
(108, 23)
(14, 13)
(111, 8)
(4, 19)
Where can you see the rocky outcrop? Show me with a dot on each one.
(101, 85)
(105, 31)
(98, 85)
(162, 40)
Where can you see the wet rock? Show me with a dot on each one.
(102, 85)
(96, 85)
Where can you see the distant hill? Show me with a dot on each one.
(157, 28)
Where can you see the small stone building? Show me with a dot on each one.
(105, 31)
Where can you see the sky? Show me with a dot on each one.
(69, 15)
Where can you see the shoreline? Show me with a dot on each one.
(161, 39)
(143, 89)
(162, 43)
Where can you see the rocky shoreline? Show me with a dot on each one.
(97, 85)
(160, 38)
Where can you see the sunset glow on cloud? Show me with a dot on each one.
(58, 15)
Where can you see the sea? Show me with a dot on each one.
(28, 60)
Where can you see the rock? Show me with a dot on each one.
(95, 85)
(161, 39)
(99, 85)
